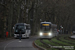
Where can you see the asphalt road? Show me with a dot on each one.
(16, 44)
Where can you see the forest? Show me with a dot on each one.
(60, 12)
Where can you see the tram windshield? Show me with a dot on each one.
(45, 27)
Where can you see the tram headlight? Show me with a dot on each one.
(41, 34)
(50, 34)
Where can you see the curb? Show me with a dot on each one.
(39, 46)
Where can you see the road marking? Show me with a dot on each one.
(20, 41)
(8, 44)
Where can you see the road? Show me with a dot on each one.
(16, 44)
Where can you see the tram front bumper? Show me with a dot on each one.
(45, 35)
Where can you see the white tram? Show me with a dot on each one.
(47, 30)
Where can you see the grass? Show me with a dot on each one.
(60, 42)
(56, 42)
(43, 45)
(62, 39)
(38, 43)
(49, 42)
(67, 38)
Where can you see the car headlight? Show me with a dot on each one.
(41, 34)
(50, 34)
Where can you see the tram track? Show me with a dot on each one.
(68, 38)
(56, 41)
(50, 46)
(60, 44)
(65, 41)
(46, 45)
(59, 39)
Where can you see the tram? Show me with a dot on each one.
(47, 30)
(25, 30)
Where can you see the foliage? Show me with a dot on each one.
(60, 12)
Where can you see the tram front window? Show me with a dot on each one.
(47, 28)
